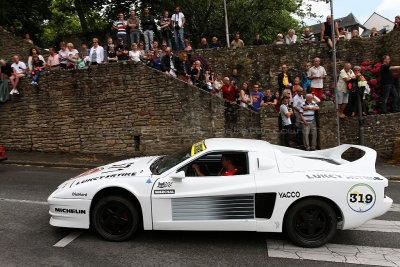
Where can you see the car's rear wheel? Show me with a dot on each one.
(311, 223)
(115, 218)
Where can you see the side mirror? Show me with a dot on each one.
(265, 164)
(178, 175)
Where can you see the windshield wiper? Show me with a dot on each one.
(154, 165)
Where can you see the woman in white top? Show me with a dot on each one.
(217, 86)
(62, 55)
(96, 55)
(245, 99)
(33, 52)
(134, 54)
(72, 55)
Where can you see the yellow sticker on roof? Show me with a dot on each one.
(197, 148)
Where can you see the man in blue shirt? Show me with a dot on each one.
(257, 97)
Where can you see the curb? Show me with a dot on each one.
(51, 164)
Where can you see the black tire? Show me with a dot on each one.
(311, 223)
(115, 218)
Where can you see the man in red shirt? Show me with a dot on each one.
(229, 90)
(228, 167)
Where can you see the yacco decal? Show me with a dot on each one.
(292, 194)
(106, 177)
(339, 176)
(361, 197)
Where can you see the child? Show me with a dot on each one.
(37, 67)
(296, 86)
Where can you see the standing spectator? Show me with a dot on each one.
(316, 100)
(237, 42)
(198, 76)
(143, 53)
(354, 35)
(268, 99)
(203, 44)
(120, 25)
(326, 32)
(342, 34)
(215, 43)
(396, 23)
(148, 25)
(111, 55)
(121, 50)
(72, 55)
(12, 30)
(345, 77)
(388, 85)
(358, 87)
(317, 74)
(133, 24)
(184, 67)
(155, 47)
(284, 79)
(279, 39)
(296, 86)
(258, 40)
(305, 82)
(134, 54)
(5, 69)
(62, 54)
(28, 39)
(210, 78)
(178, 22)
(228, 90)
(307, 114)
(235, 79)
(291, 37)
(373, 33)
(163, 47)
(38, 67)
(244, 98)
(286, 112)
(110, 43)
(307, 36)
(278, 101)
(84, 53)
(33, 52)
(218, 85)
(166, 32)
(19, 70)
(96, 55)
(298, 102)
(188, 47)
(169, 63)
(256, 98)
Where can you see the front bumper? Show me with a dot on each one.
(70, 213)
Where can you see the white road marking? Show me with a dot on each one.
(68, 239)
(23, 201)
(336, 253)
(380, 226)
(395, 207)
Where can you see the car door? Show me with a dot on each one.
(209, 202)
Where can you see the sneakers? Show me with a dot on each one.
(14, 91)
(34, 83)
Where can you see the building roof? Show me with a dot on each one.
(373, 14)
(345, 22)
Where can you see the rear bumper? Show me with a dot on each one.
(70, 213)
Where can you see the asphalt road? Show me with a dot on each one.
(26, 238)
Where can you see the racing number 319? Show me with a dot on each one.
(368, 198)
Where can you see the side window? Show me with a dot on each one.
(212, 165)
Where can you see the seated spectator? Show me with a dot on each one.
(111, 54)
(342, 34)
(307, 114)
(268, 99)
(53, 61)
(396, 23)
(210, 78)
(38, 67)
(121, 50)
(229, 90)
(258, 40)
(12, 30)
(96, 55)
(215, 43)
(150, 59)
(33, 52)
(326, 32)
(305, 82)
(188, 47)
(198, 76)
(218, 85)
(279, 39)
(143, 53)
(373, 33)
(72, 56)
(134, 54)
(28, 39)
(256, 98)
(307, 36)
(235, 78)
(109, 43)
(5, 69)
(84, 52)
(286, 112)
(284, 79)
(291, 37)
(237, 42)
(203, 44)
(244, 96)
(62, 55)
(354, 35)
(166, 31)
(169, 63)
(184, 67)
(19, 70)
(157, 61)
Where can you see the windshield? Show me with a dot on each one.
(167, 162)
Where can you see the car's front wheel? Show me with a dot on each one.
(115, 218)
(311, 223)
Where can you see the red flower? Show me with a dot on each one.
(362, 68)
(374, 112)
(332, 86)
(365, 63)
(373, 82)
(378, 65)
(395, 75)
(369, 68)
(376, 70)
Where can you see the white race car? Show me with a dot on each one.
(226, 184)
